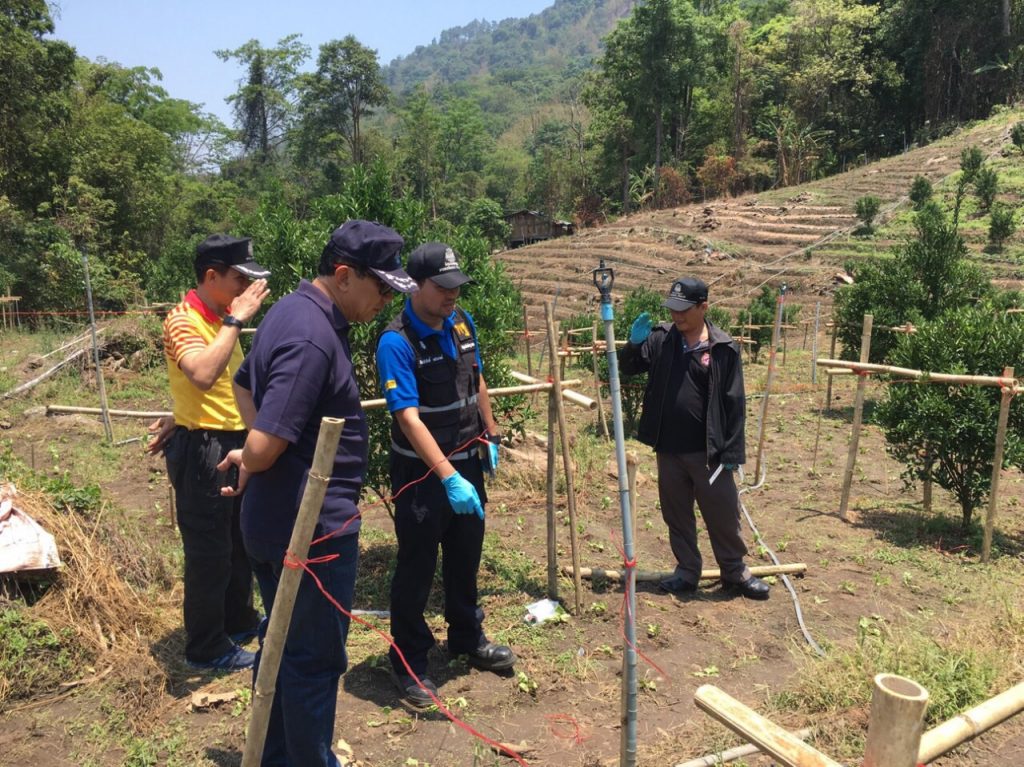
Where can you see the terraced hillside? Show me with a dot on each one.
(800, 235)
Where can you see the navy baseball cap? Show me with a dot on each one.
(438, 262)
(371, 245)
(235, 252)
(685, 293)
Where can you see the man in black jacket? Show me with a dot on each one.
(693, 416)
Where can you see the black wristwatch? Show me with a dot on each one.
(233, 322)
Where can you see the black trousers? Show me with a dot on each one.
(424, 520)
(218, 577)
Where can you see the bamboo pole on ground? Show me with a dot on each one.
(732, 754)
(602, 421)
(570, 493)
(858, 416)
(897, 720)
(971, 723)
(288, 587)
(711, 574)
(997, 465)
(28, 385)
(788, 749)
(831, 354)
(552, 538)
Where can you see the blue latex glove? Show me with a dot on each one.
(729, 466)
(640, 329)
(492, 451)
(462, 495)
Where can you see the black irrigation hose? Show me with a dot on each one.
(775, 559)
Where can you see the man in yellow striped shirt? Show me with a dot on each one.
(202, 352)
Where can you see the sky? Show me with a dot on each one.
(178, 37)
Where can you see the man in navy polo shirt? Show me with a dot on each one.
(430, 372)
(298, 371)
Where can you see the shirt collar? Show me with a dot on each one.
(421, 328)
(323, 302)
(192, 299)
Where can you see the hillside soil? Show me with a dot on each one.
(889, 566)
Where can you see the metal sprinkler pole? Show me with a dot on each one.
(604, 278)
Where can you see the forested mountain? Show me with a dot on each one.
(587, 110)
(540, 47)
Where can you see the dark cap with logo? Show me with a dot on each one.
(684, 293)
(235, 252)
(438, 262)
(371, 245)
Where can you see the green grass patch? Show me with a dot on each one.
(33, 659)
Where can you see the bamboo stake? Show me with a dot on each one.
(763, 425)
(772, 739)
(926, 484)
(731, 754)
(997, 466)
(597, 390)
(526, 341)
(711, 574)
(96, 352)
(858, 416)
(814, 343)
(552, 541)
(971, 723)
(832, 354)
(570, 493)
(897, 720)
(288, 587)
(631, 466)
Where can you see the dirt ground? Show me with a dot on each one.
(890, 565)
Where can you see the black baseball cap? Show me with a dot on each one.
(438, 262)
(371, 245)
(235, 252)
(684, 293)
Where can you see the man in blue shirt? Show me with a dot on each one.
(298, 372)
(430, 372)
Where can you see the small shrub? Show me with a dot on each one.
(1017, 135)
(867, 208)
(920, 191)
(986, 185)
(1002, 224)
(971, 160)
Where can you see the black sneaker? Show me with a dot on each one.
(491, 657)
(235, 659)
(414, 695)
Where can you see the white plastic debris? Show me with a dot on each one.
(540, 611)
(24, 544)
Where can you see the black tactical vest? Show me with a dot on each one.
(448, 389)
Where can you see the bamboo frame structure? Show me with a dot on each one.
(971, 723)
(288, 588)
(563, 431)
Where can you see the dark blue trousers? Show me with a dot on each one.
(301, 728)
(424, 520)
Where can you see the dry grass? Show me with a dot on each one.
(93, 608)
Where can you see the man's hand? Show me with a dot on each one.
(159, 432)
(232, 459)
(640, 329)
(462, 495)
(245, 306)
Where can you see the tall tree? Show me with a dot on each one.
(36, 75)
(346, 87)
(264, 105)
